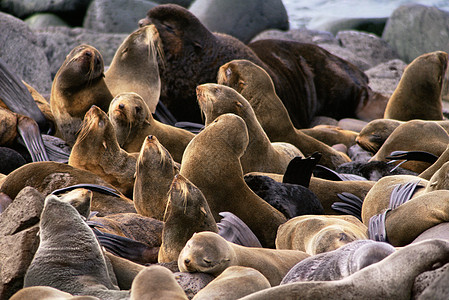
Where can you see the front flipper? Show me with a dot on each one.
(234, 230)
(411, 155)
(376, 227)
(300, 170)
(351, 205)
(31, 137)
(402, 193)
(93, 187)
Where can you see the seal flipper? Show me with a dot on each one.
(18, 99)
(376, 227)
(351, 205)
(402, 193)
(234, 230)
(411, 155)
(162, 114)
(189, 126)
(93, 187)
(127, 248)
(300, 170)
(31, 137)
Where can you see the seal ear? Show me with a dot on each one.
(197, 45)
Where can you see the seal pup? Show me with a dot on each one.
(134, 67)
(96, 150)
(133, 122)
(155, 171)
(156, 282)
(66, 254)
(339, 263)
(377, 281)
(260, 155)
(316, 234)
(211, 161)
(418, 94)
(187, 212)
(254, 83)
(404, 138)
(210, 253)
(235, 282)
(77, 86)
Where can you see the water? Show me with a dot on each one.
(313, 13)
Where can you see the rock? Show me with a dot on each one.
(192, 283)
(59, 41)
(373, 49)
(11, 160)
(371, 25)
(426, 279)
(385, 77)
(303, 35)
(415, 29)
(72, 10)
(183, 3)
(43, 20)
(241, 19)
(116, 16)
(21, 53)
(346, 54)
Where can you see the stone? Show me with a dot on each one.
(22, 54)
(370, 25)
(360, 61)
(42, 20)
(192, 283)
(241, 19)
(302, 35)
(414, 29)
(183, 3)
(385, 77)
(373, 49)
(428, 282)
(116, 16)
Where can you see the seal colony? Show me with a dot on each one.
(181, 184)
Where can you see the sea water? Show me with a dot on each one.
(313, 13)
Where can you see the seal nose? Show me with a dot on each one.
(187, 261)
(88, 53)
(143, 22)
(121, 106)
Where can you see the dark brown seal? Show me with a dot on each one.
(77, 86)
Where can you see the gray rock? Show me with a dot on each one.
(369, 46)
(22, 54)
(59, 41)
(302, 35)
(385, 77)
(192, 283)
(431, 281)
(23, 8)
(116, 16)
(414, 29)
(372, 25)
(42, 20)
(241, 19)
(348, 55)
(184, 3)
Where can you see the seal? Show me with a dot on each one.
(155, 170)
(422, 79)
(339, 263)
(235, 282)
(96, 150)
(156, 282)
(46, 292)
(193, 55)
(134, 67)
(380, 280)
(66, 252)
(49, 176)
(254, 83)
(133, 122)
(210, 253)
(77, 86)
(404, 138)
(316, 234)
(211, 161)
(187, 212)
(261, 155)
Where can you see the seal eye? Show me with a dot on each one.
(206, 261)
(228, 73)
(138, 109)
(169, 28)
(101, 123)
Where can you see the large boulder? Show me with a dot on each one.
(302, 34)
(116, 16)
(20, 51)
(385, 77)
(371, 25)
(42, 20)
(415, 29)
(241, 19)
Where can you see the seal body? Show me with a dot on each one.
(77, 86)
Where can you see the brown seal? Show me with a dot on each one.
(155, 171)
(212, 162)
(261, 155)
(235, 282)
(253, 83)
(133, 122)
(69, 257)
(316, 234)
(96, 150)
(134, 67)
(377, 281)
(187, 212)
(404, 138)
(49, 176)
(77, 86)
(156, 282)
(46, 292)
(418, 94)
(193, 55)
(210, 253)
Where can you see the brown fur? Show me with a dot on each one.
(210, 253)
(211, 162)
